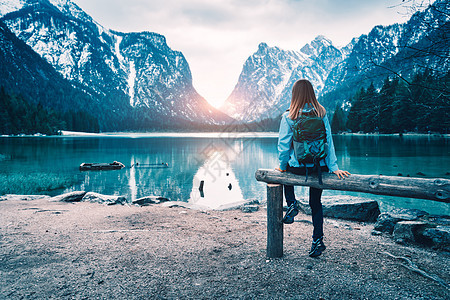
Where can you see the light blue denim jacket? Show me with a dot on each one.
(286, 151)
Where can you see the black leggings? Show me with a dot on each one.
(315, 195)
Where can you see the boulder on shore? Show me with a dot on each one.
(386, 221)
(145, 201)
(76, 196)
(415, 226)
(104, 199)
(439, 236)
(347, 207)
(236, 205)
(410, 231)
(249, 208)
(22, 197)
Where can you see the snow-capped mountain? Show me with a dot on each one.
(401, 49)
(264, 86)
(120, 70)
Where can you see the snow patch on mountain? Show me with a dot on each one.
(117, 49)
(70, 9)
(7, 6)
(131, 80)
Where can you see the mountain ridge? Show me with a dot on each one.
(123, 70)
(337, 73)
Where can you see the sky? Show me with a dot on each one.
(217, 36)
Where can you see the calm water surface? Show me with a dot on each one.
(226, 164)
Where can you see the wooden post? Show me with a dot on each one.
(274, 220)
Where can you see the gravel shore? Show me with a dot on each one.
(86, 250)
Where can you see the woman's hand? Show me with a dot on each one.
(341, 173)
(278, 169)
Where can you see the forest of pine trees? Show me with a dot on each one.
(421, 105)
(18, 116)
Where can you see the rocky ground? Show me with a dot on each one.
(89, 250)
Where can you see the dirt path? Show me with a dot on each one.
(84, 250)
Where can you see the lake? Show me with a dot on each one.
(226, 163)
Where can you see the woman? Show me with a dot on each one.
(304, 101)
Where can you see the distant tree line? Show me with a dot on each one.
(17, 116)
(419, 105)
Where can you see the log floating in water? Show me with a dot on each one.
(101, 166)
(437, 189)
(154, 166)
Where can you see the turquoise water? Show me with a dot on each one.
(226, 164)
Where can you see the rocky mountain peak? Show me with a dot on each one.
(262, 47)
(69, 8)
(321, 41)
(316, 46)
(347, 49)
(268, 75)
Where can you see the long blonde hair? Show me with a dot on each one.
(303, 93)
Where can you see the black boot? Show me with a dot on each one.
(291, 212)
(317, 247)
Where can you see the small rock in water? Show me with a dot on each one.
(420, 173)
(399, 174)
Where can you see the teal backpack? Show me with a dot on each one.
(310, 141)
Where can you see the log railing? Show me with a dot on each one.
(437, 189)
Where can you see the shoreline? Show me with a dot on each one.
(79, 250)
(218, 134)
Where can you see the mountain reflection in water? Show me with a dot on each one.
(208, 158)
(220, 185)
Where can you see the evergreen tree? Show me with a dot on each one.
(370, 110)
(402, 116)
(17, 116)
(5, 123)
(421, 105)
(338, 122)
(387, 97)
(355, 114)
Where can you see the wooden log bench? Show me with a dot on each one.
(436, 189)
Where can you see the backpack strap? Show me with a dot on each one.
(319, 173)
(306, 173)
(319, 170)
